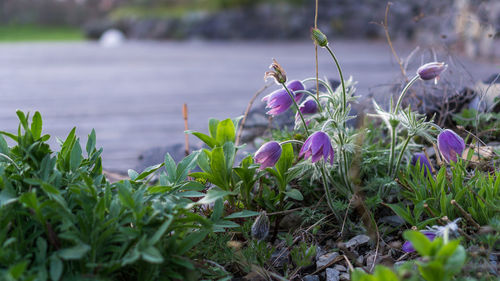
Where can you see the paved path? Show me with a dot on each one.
(133, 95)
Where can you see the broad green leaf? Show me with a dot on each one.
(4, 147)
(23, 120)
(132, 174)
(286, 159)
(161, 231)
(212, 127)
(125, 196)
(225, 224)
(219, 169)
(7, 197)
(242, 214)
(214, 194)
(91, 142)
(294, 194)
(171, 168)
(190, 241)
(152, 255)
(204, 138)
(56, 268)
(457, 260)
(148, 171)
(36, 126)
(225, 132)
(74, 253)
(419, 241)
(217, 210)
(187, 164)
(17, 270)
(384, 273)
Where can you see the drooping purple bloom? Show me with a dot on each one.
(450, 144)
(408, 247)
(296, 85)
(268, 154)
(421, 158)
(318, 145)
(308, 107)
(431, 70)
(279, 101)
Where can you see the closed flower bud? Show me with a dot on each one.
(318, 145)
(277, 73)
(450, 144)
(422, 161)
(296, 85)
(308, 107)
(268, 154)
(318, 37)
(260, 228)
(431, 70)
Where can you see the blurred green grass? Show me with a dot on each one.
(26, 33)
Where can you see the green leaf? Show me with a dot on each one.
(204, 138)
(212, 127)
(402, 213)
(148, 171)
(125, 196)
(56, 268)
(225, 132)
(457, 260)
(242, 214)
(91, 142)
(171, 168)
(217, 210)
(187, 164)
(152, 255)
(214, 194)
(7, 197)
(191, 240)
(17, 270)
(294, 194)
(23, 120)
(286, 159)
(419, 241)
(384, 273)
(132, 174)
(219, 169)
(4, 147)
(36, 126)
(163, 228)
(74, 253)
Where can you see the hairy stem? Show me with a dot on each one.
(401, 155)
(403, 93)
(344, 98)
(297, 107)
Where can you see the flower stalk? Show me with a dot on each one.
(297, 107)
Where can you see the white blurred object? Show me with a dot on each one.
(112, 38)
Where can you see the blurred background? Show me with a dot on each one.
(126, 67)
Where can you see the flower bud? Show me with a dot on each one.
(319, 38)
(268, 154)
(450, 144)
(277, 72)
(431, 70)
(260, 228)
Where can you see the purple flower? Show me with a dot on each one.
(431, 70)
(423, 162)
(308, 107)
(408, 247)
(318, 145)
(268, 154)
(296, 85)
(279, 101)
(450, 144)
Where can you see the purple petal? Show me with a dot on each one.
(450, 144)
(421, 159)
(431, 70)
(268, 154)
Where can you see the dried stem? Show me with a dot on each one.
(185, 116)
(385, 25)
(466, 215)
